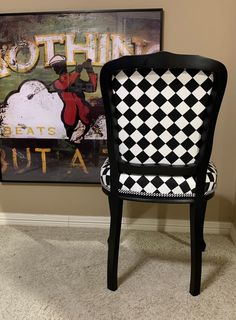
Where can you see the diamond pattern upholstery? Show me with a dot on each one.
(160, 114)
(160, 121)
(158, 186)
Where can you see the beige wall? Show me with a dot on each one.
(199, 27)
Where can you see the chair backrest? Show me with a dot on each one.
(161, 111)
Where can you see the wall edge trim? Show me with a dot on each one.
(168, 225)
(233, 234)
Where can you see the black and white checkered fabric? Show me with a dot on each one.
(158, 186)
(160, 114)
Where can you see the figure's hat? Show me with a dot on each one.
(57, 59)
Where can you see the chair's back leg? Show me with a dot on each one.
(116, 206)
(197, 213)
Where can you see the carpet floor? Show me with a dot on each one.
(49, 273)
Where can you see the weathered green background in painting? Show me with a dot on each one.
(17, 28)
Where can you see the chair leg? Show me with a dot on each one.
(116, 205)
(197, 213)
(202, 217)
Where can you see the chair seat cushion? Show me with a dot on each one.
(158, 186)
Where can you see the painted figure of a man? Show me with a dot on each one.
(76, 114)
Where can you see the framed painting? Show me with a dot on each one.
(52, 123)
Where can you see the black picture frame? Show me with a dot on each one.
(52, 123)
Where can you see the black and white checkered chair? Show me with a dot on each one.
(161, 111)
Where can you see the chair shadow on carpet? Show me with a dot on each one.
(213, 266)
(217, 264)
(178, 251)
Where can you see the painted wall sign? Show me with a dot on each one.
(52, 123)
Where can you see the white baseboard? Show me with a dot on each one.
(233, 234)
(168, 225)
(33, 219)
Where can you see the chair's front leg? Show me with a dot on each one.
(116, 205)
(202, 218)
(196, 227)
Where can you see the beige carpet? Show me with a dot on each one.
(60, 274)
